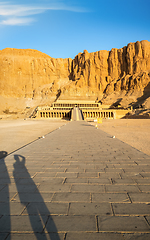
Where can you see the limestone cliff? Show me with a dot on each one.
(31, 74)
(120, 69)
(104, 75)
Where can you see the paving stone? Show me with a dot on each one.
(109, 175)
(122, 188)
(76, 170)
(87, 188)
(11, 208)
(131, 175)
(71, 197)
(94, 236)
(50, 180)
(6, 196)
(94, 170)
(88, 174)
(35, 236)
(46, 174)
(135, 169)
(119, 181)
(46, 208)
(76, 180)
(71, 223)
(144, 188)
(131, 209)
(33, 197)
(48, 170)
(140, 197)
(54, 188)
(110, 197)
(21, 188)
(145, 174)
(136, 236)
(22, 223)
(100, 181)
(2, 186)
(123, 224)
(90, 209)
(67, 174)
(3, 236)
(144, 181)
(24, 181)
(113, 170)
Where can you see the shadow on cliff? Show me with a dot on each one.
(39, 214)
(57, 95)
(140, 101)
(115, 104)
(139, 111)
(146, 94)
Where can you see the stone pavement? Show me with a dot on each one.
(76, 183)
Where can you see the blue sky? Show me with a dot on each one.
(63, 28)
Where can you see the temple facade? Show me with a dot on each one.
(62, 109)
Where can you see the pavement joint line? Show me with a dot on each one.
(64, 181)
(69, 204)
(97, 225)
(112, 181)
(141, 175)
(52, 196)
(12, 199)
(112, 209)
(129, 197)
(45, 223)
(136, 163)
(65, 235)
(90, 197)
(25, 207)
(139, 188)
(120, 175)
(34, 175)
(147, 221)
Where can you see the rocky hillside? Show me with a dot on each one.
(120, 76)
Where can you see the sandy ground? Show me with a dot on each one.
(135, 132)
(17, 133)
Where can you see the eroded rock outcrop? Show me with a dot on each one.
(119, 72)
(31, 74)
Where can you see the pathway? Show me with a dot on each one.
(76, 183)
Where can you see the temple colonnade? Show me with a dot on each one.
(67, 114)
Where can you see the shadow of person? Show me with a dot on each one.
(4, 197)
(38, 213)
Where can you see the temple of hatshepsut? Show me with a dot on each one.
(63, 109)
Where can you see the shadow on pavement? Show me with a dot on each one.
(40, 217)
(6, 178)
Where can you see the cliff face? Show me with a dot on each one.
(32, 74)
(117, 70)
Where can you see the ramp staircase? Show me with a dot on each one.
(76, 114)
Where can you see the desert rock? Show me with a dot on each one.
(103, 75)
